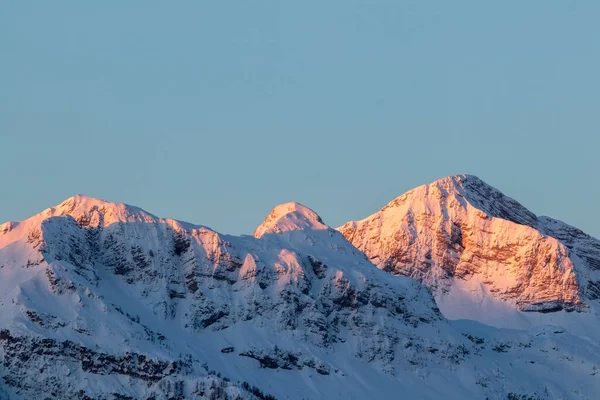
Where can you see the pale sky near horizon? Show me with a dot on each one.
(214, 112)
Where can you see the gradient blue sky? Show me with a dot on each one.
(214, 112)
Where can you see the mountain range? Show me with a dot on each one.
(453, 290)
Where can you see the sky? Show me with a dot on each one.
(215, 112)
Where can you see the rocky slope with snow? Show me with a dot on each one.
(103, 300)
(461, 231)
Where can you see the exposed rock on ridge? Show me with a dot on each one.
(460, 228)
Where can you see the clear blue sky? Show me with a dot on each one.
(214, 112)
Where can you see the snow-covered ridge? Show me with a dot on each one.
(92, 211)
(103, 300)
(109, 276)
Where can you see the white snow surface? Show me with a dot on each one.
(101, 300)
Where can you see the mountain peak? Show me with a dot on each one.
(79, 200)
(97, 211)
(290, 216)
(471, 189)
(491, 200)
(460, 229)
(464, 184)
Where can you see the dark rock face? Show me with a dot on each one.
(20, 355)
(593, 290)
(317, 267)
(150, 378)
(278, 358)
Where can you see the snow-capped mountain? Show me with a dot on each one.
(103, 300)
(469, 242)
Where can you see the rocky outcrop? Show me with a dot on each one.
(145, 377)
(460, 228)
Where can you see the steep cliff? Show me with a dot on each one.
(461, 229)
